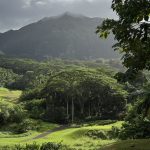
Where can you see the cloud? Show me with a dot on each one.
(17, 13)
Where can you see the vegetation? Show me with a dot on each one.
(132, 32)
(65, 87)
(75, 137)
(82, 104)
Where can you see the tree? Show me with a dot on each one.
(132, 32)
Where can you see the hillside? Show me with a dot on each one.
(25, 117)
(65, 36)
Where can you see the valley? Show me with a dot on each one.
(33, 128)
(75, 75)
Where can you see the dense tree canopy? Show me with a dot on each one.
(132, 32)
(81, 93)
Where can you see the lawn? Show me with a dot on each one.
(9, 138)
(73, 137)
(76, 137)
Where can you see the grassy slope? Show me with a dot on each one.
(141, 144)
(75, 137)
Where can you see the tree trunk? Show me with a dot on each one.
(72, 110)
(89, 109)
(67, 110)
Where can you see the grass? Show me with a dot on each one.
(76, 138)
(141, 144)
(73, 137)
(9, 94)
(9, 138)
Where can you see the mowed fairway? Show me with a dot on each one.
(76, 137)
(73, 137)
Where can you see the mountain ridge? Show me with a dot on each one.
(64, 36)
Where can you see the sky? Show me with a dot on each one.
(17, 13)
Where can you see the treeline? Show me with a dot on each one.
(77, 94)
(65, 90)
(25, 74)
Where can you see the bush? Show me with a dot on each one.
(34, 146)
(137, 125)
(10, 113)
(30, 94)
(23, 127)
(97, 134)
(114, 133)
(36, 107)
(136, 130)
(93, 121)
(51, 146)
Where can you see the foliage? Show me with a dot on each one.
(25, 74)
(137, 124)
(140, 144)
(74, 137)
(82, 93)
(132, 32)
(36, 108)
(34, 146)
(10, 113)
(97, 134)
(51, 146)
(7, 76)
(23, 126)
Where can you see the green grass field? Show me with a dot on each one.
(76, 137)
(73, 137)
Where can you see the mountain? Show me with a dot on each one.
(64, 36)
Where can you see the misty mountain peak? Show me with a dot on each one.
(72, 15)
(65, 15)
(64, 36)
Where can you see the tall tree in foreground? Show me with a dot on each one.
(132, 32)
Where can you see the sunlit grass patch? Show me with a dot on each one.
(9, 95)
(76, 137)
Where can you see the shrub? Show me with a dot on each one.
(51, 146)
(10, 113)
(114, 133)
(136, 130)
(36, 107)
(23, 127)
(97, 134)
(34, 146)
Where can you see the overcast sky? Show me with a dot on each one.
(17, 13)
